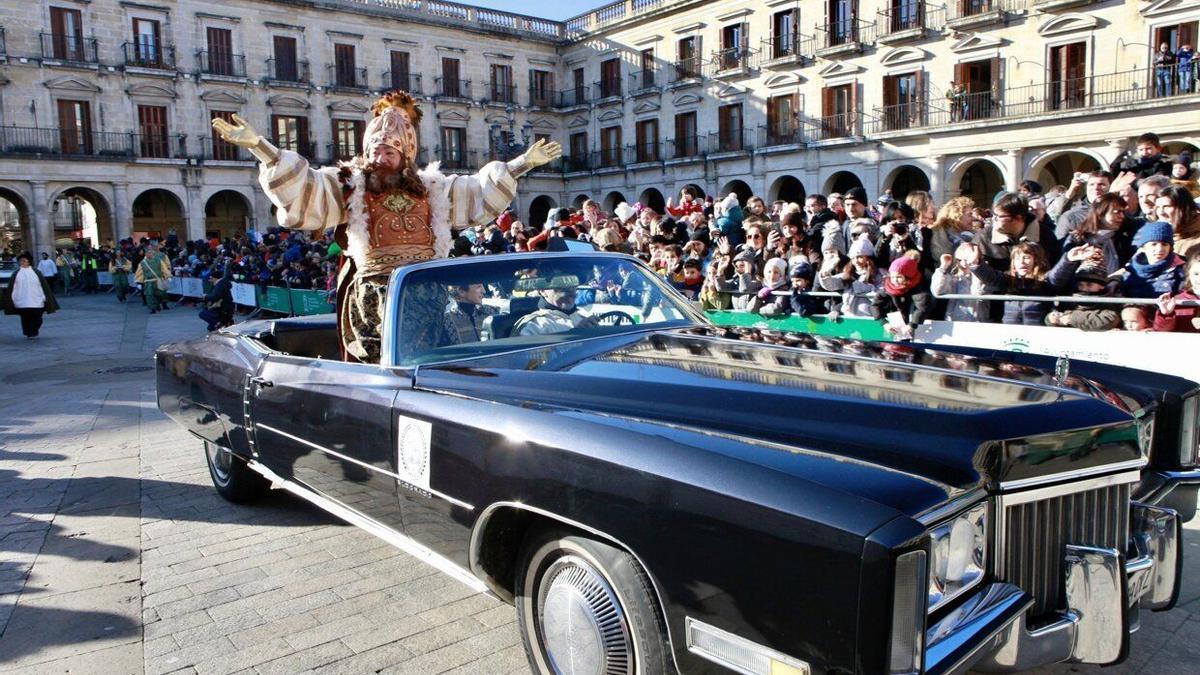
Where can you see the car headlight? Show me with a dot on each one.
(958, 555)
(1189, 419)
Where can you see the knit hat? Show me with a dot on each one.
(1091, 273)
(801, 268)
(746, 254)
(730, 201)
(606, 236)
(862, 246)
(857, 194)
(1156, 231)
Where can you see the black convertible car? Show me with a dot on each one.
(658, 494)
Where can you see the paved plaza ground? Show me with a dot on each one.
(116, 556)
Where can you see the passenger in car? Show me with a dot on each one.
(556, 312)
(466, 314)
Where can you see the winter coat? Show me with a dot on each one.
(1092, 317)
(913, 305)
(952, 283)
(6, 300)
(771, 305)
(857, 294)
(1183, 319)
(1138, 280)
(997, 246)
(1022, 312)
(740, 283)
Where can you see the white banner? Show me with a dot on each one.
(175, 285)
(243, 294)
(1166, 353)
(192, 287)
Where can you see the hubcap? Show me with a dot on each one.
(220, 460)
(583, 627)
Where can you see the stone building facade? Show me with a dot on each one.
(105, 105)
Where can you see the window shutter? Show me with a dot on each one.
(852, 117)
(997, 76)
(827, 106)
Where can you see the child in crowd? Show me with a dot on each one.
(1174, 317)
(1092, 281)
(858, 279)
(801, 274)
(1155, 268)
(953, 277)
(1028, 274)
(691, 280)
(905, 300)
(743, 281)
(775, 280)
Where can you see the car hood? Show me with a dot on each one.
(905, 434)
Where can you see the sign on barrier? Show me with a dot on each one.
(244, 294)
(104, 278)
(175, 285)
(276, 299)
(192, 287)
(846, 327)
(310, 302)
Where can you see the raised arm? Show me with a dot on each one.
(476, 200)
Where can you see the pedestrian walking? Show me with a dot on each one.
(119, 268)
(65, 262)
(28, 295)
(48, 269)
(154, 274)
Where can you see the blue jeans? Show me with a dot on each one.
(1166, 83)
(1185, 79)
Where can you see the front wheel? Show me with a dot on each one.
(233, 479)
(587, 608)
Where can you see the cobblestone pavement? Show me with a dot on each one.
(116, 556)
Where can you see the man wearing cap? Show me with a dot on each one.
(386, 213)
(556, 312)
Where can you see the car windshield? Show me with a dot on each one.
(494, 304)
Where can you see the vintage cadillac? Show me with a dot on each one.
(657, 494)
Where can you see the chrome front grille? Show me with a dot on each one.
(1035, 526)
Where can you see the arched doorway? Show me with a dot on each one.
(841, 181)
(981, 181)
(611, 200)
(1059, 168)
(539, 208)
(156, 213)
(906, 179)
(577, 203)
(788, 189)
(737, 187)
(81, 215)
(654, 199)
(16, 229)
(226, 213)
(1173, 148)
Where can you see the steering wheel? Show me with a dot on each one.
(614, 317)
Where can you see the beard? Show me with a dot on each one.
(382, 179)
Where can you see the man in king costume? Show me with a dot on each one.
(386, 212)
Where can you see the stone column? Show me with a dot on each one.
(122, 212)
(1014, 168)
(43, 227)
(870, 180)
(195, 213)
(937, 171)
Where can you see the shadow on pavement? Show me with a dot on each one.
(32, 633)
(10, 456)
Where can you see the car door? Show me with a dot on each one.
(328, 425)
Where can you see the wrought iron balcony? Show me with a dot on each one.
(791, 133)
(606, 158)
(575, 163)
(402, 81)
(736, 140)
(644, 81)
(688, 69)
(962, 14)
(289, 71)
(841, 125)
(452, 87)
(684, 147)
(733, 59)
(344, 76)
(222, 63)
(501, 93)
(60, 142)
(789, 48)
(72, 48)
(607, 88)
(145, 55)
(215, 149)
(844, 36)
(572, 97)
(642, 153)
(456, 159)
(908, 20)
(542, 98)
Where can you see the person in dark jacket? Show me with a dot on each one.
(1090, 281)
(906, 298)
(27, 294)
(1027, 275)
(1155, 269)
(803, 304)
(1013, 224)
(218, 302)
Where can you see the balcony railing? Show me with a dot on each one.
(685, 147)
(347, 77)
(143, 55)
(410, 82)
(965, 10)
(72, 48)
(452, 87)
(307, 149)
(910, 115)
(218, 150)
(735, 140)
(340, 152)
(841, 125)
(542, 98)
(795, 46)
(500, 92)
(780, 134)
(101, 144)
(641, 153)
(576, 162)
(643, 81)
(733, 58)
(221, 63)
(572, 97)
(688, 69)
(288, 71)
(608, 88)
(455, 159)
(850, 32)
(910, 15)
(606, 158)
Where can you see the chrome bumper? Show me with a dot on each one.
(1175, 490)
(1104, 594)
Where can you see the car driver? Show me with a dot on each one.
(556, 312)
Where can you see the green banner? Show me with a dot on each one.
(859, 329)
(275, 299)
(310, 302)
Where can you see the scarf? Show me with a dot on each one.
(906, 266)
(1148, 270)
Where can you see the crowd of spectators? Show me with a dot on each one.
(1131, 231)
